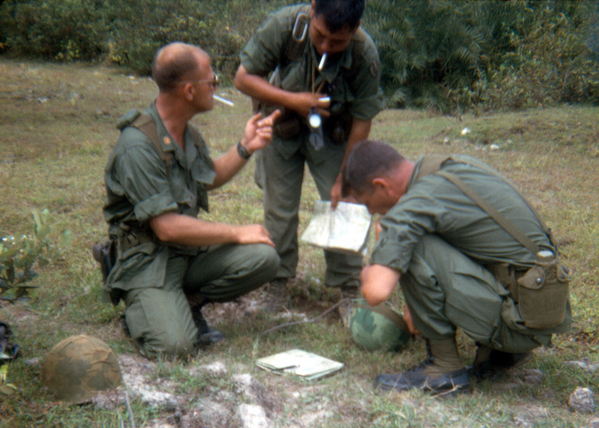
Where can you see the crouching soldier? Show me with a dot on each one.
(468, 251)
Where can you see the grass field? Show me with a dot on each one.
(56, 132)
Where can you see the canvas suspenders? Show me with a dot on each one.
(432, 165)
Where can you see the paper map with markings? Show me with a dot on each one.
(345, 229)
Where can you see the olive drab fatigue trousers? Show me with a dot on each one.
(281, 179)
(159, 317)
(445, 289)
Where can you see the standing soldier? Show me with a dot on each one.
(324, 76)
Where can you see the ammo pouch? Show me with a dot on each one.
(543, 293)
(287, 124)
(337, 127)
(107, 253)
(128, 238)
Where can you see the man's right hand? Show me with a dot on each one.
(260, 89)
(181, 229)
(258, 131)
(303, 102)
(254, 234)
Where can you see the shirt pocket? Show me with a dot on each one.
(180, 189)
(202, 176)
(139, 267)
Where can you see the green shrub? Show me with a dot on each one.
(63, 30)
(426, 49)
(142, 27)
(128, 32)
(445, 55)
(219, 27)
(553, 62)
(452, 55)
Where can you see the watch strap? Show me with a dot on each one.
(242, 151)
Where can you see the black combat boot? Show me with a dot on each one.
(442, 371)
(490, 362)
(206, 334)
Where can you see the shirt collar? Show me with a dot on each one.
(335, 64)
(415, 172)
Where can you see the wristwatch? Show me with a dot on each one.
(243, 153)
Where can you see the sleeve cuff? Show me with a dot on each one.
(154, 206)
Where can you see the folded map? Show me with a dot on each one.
(345, 229)
(300, 363)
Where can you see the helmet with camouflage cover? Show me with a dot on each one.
(78, 367)
(378, 328)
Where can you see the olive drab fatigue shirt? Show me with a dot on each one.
(352, 77)
(140, 185)
(433, 205)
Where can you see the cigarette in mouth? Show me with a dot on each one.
(222, 100)
(322, 60)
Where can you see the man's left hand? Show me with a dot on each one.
(336, 192)
(258, 131)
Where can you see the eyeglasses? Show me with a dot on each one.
(214, 82)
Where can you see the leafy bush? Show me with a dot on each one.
(450, 55)
(142, 27)
(426, 49)
(219, 27)
(61, 29)
(128, 32)
(553, 62)
(445, 55)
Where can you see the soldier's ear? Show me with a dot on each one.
(188, 91)
(381, 183)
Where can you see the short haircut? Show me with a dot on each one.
(172, 63)
(366, 161)
(340, 13)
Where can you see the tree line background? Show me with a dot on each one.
(447, 55)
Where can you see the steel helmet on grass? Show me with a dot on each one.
(78, 367)
(378, 328)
